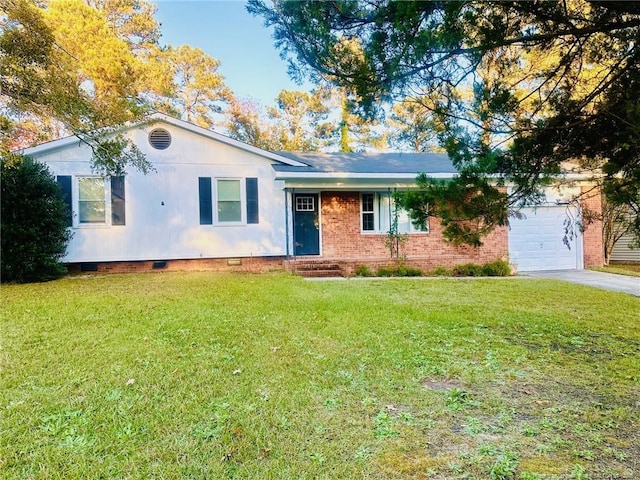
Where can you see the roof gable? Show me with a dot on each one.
(157, 118)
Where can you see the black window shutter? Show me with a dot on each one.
(252, 200)
(64, 182)
(117, 201)
(206, 205)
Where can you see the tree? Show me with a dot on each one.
(413, 126)
(297, 122)
(133, 20)
(357, 132)
(322, 119)
(66, 63)
(615, 224)
(519, 87)
(300, 120)
(33, 221)
(195, 90)
(246, 122)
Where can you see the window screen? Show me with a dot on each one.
(91, 201)
(229, 203)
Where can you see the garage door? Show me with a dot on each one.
(536, 240)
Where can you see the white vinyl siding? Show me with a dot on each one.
(622, 251)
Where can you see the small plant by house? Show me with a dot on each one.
(399, 270)
(363, 271)
(499, 268)
(396, 241)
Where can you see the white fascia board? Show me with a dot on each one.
(338, 186)
(50, 146)
(354, 176)
(579, 178)
(374, 183)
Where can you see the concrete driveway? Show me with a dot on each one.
(606, 281)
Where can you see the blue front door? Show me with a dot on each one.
(306, 228)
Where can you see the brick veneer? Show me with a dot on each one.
(252, 264)
(342, 239)
(593, 247)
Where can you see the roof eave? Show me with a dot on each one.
(355, 176)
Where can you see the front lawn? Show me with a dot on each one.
(631, 269)
(210, 376)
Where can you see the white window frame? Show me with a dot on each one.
(106, 185)
(304, 206)
(380, 203)
(243, 202)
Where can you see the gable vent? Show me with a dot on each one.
(159, 138)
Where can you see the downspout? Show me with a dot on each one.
(390, 239)
(286, 220)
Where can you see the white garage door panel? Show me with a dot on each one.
(536, 240)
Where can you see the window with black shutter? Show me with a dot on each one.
(64, 182)
(206, 203)
(117, 201)
(253, 215)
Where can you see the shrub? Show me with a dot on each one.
(363, 271)
(467, 270)
(499, 268)
(33, 220)
(441, 272)
(398, 271)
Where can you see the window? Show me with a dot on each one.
(91, 200)
(236, 201)
(94, 205)
(378, 211)
(368, 212)
(305, 204)
(229, 201)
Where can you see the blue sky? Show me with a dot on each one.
(224, 29)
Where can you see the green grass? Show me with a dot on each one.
(209, 375)
(631, 269)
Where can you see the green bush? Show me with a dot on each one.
(499, 268)
(467, 270)
(33, 221)
(398, 271)
(363, 271)
(441, 272)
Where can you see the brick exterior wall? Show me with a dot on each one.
(593, 247)
(253, 265)
(343, 239)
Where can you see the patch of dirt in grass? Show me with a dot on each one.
(549, 423)
(440, 385)
(418, 465)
